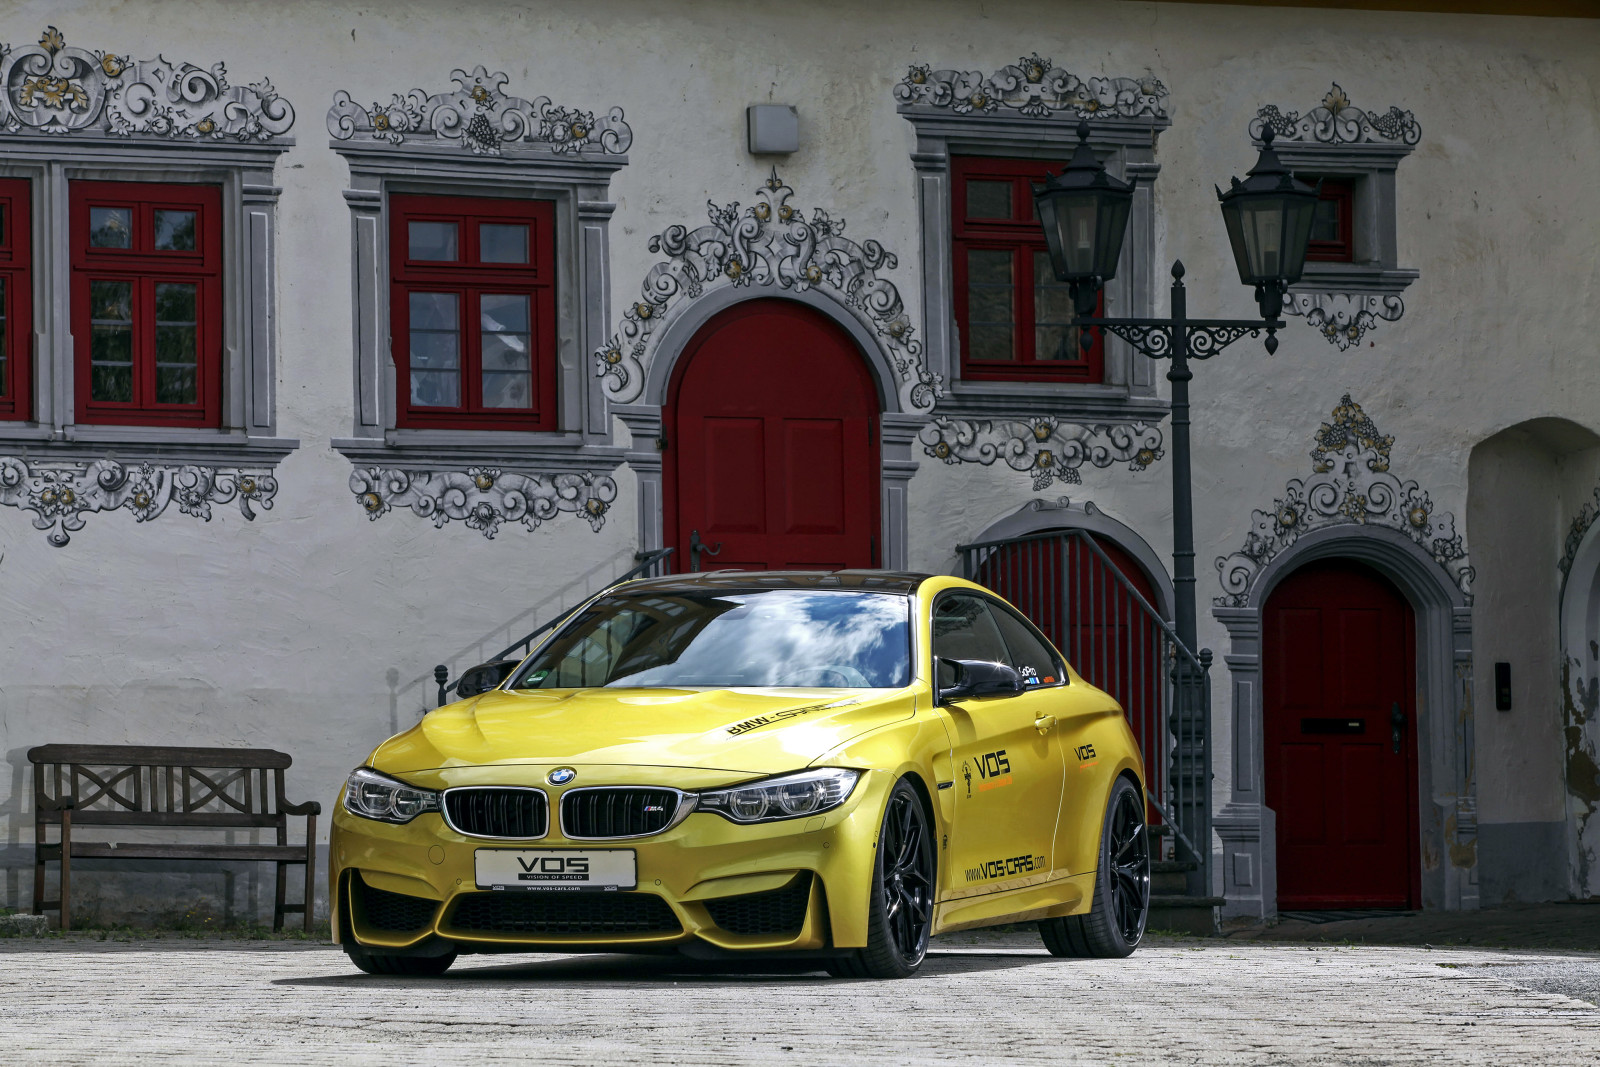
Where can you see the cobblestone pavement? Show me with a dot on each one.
(1001, 1000)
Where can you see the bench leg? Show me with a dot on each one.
(277, 903)
(311, 868)
(66, 870)
(38, 870)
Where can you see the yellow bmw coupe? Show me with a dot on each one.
(826, 765)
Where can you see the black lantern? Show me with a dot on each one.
(1085, 215)
(1269, 224)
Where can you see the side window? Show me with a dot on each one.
(1030, 655)
(964, 628)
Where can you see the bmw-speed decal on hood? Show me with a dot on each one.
(754, 730)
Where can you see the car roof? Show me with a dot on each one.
(723, 581)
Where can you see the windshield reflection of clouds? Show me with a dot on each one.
(797, 638)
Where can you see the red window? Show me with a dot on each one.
(1014, 318)
(1331, 240)
(472, 306)
(147, 303)
(16, 301)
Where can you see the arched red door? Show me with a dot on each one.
(771, 429)
(1338, 670)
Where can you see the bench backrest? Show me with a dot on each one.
(142, 785)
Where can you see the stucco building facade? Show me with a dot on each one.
(342, 341)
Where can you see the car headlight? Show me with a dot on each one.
(788, 797)
(375, 796)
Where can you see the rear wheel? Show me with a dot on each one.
(1114, 925)
(386, 963)
(900, 913)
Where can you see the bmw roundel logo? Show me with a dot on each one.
(561, 776)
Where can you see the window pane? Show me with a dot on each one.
(175, 231)
(502, 243)
(435, 350)
(1029, 655)
(111, 341)
(175, 343)
(433, 240)
(989, 200)
(5, 388)
(964, 629)
(1054, 337)
(1325, 222)
(991, 305)
(507, 368)
(111, 227)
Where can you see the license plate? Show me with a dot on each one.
(504, 868)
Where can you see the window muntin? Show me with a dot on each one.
(1013, 317)
(1332, 240)
(16, 300)
(473, 312)
(147, 302)
(832, 639)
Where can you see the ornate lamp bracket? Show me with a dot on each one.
(1206, 337)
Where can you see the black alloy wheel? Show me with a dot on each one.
(900, 917)
(1115, 923)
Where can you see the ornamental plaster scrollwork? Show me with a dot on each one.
(56, 89)
(60, 494)
(1337, 121)
(1580, 525)
(1344, 318)
(479, 116)
(769, 243)
(1033, 86)
(484, 497)
(1048, 449)
(1350, 484)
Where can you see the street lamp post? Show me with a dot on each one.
(1084, 211)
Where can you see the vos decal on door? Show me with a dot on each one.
(995, 770)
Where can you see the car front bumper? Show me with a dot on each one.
(792, 885)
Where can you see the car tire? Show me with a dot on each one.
(409, 966)
(900, 911)
(1114, 924)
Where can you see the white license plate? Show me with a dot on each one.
(550, 868)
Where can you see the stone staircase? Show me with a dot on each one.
(1172, 905)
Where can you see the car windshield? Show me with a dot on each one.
(814, 638)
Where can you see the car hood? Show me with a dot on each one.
(755, 731)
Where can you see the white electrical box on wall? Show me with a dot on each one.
(773, 128)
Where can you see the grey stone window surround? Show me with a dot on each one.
(579, 187)
(248, 434)
(1127, 146)
(1371, 168)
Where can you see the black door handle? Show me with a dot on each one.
(1397, 723)
(697, 548)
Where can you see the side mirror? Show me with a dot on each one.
(484, 677)
(979, 678)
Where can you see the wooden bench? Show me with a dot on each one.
(114, 786)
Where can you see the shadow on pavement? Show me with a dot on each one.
(567, 970)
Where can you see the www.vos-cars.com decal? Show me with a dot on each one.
(1009, 867)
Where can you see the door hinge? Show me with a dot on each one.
(661, 443)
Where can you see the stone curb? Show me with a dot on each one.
(22, 926)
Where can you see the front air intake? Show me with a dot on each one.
(572, 914)
(497, 811)
(622, 811)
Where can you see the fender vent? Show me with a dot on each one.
(777, 911)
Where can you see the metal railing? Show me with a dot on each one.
(1112, 634)
(650, 565)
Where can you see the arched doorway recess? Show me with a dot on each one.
(771, 431)
(1339, 738)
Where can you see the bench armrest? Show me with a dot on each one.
(310, 807)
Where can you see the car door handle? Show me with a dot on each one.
(1044, 723)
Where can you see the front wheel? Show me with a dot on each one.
(412, 966)
(1114, 925)
(900, 914)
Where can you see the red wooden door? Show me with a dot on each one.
(1338, 663)
(771, 431)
